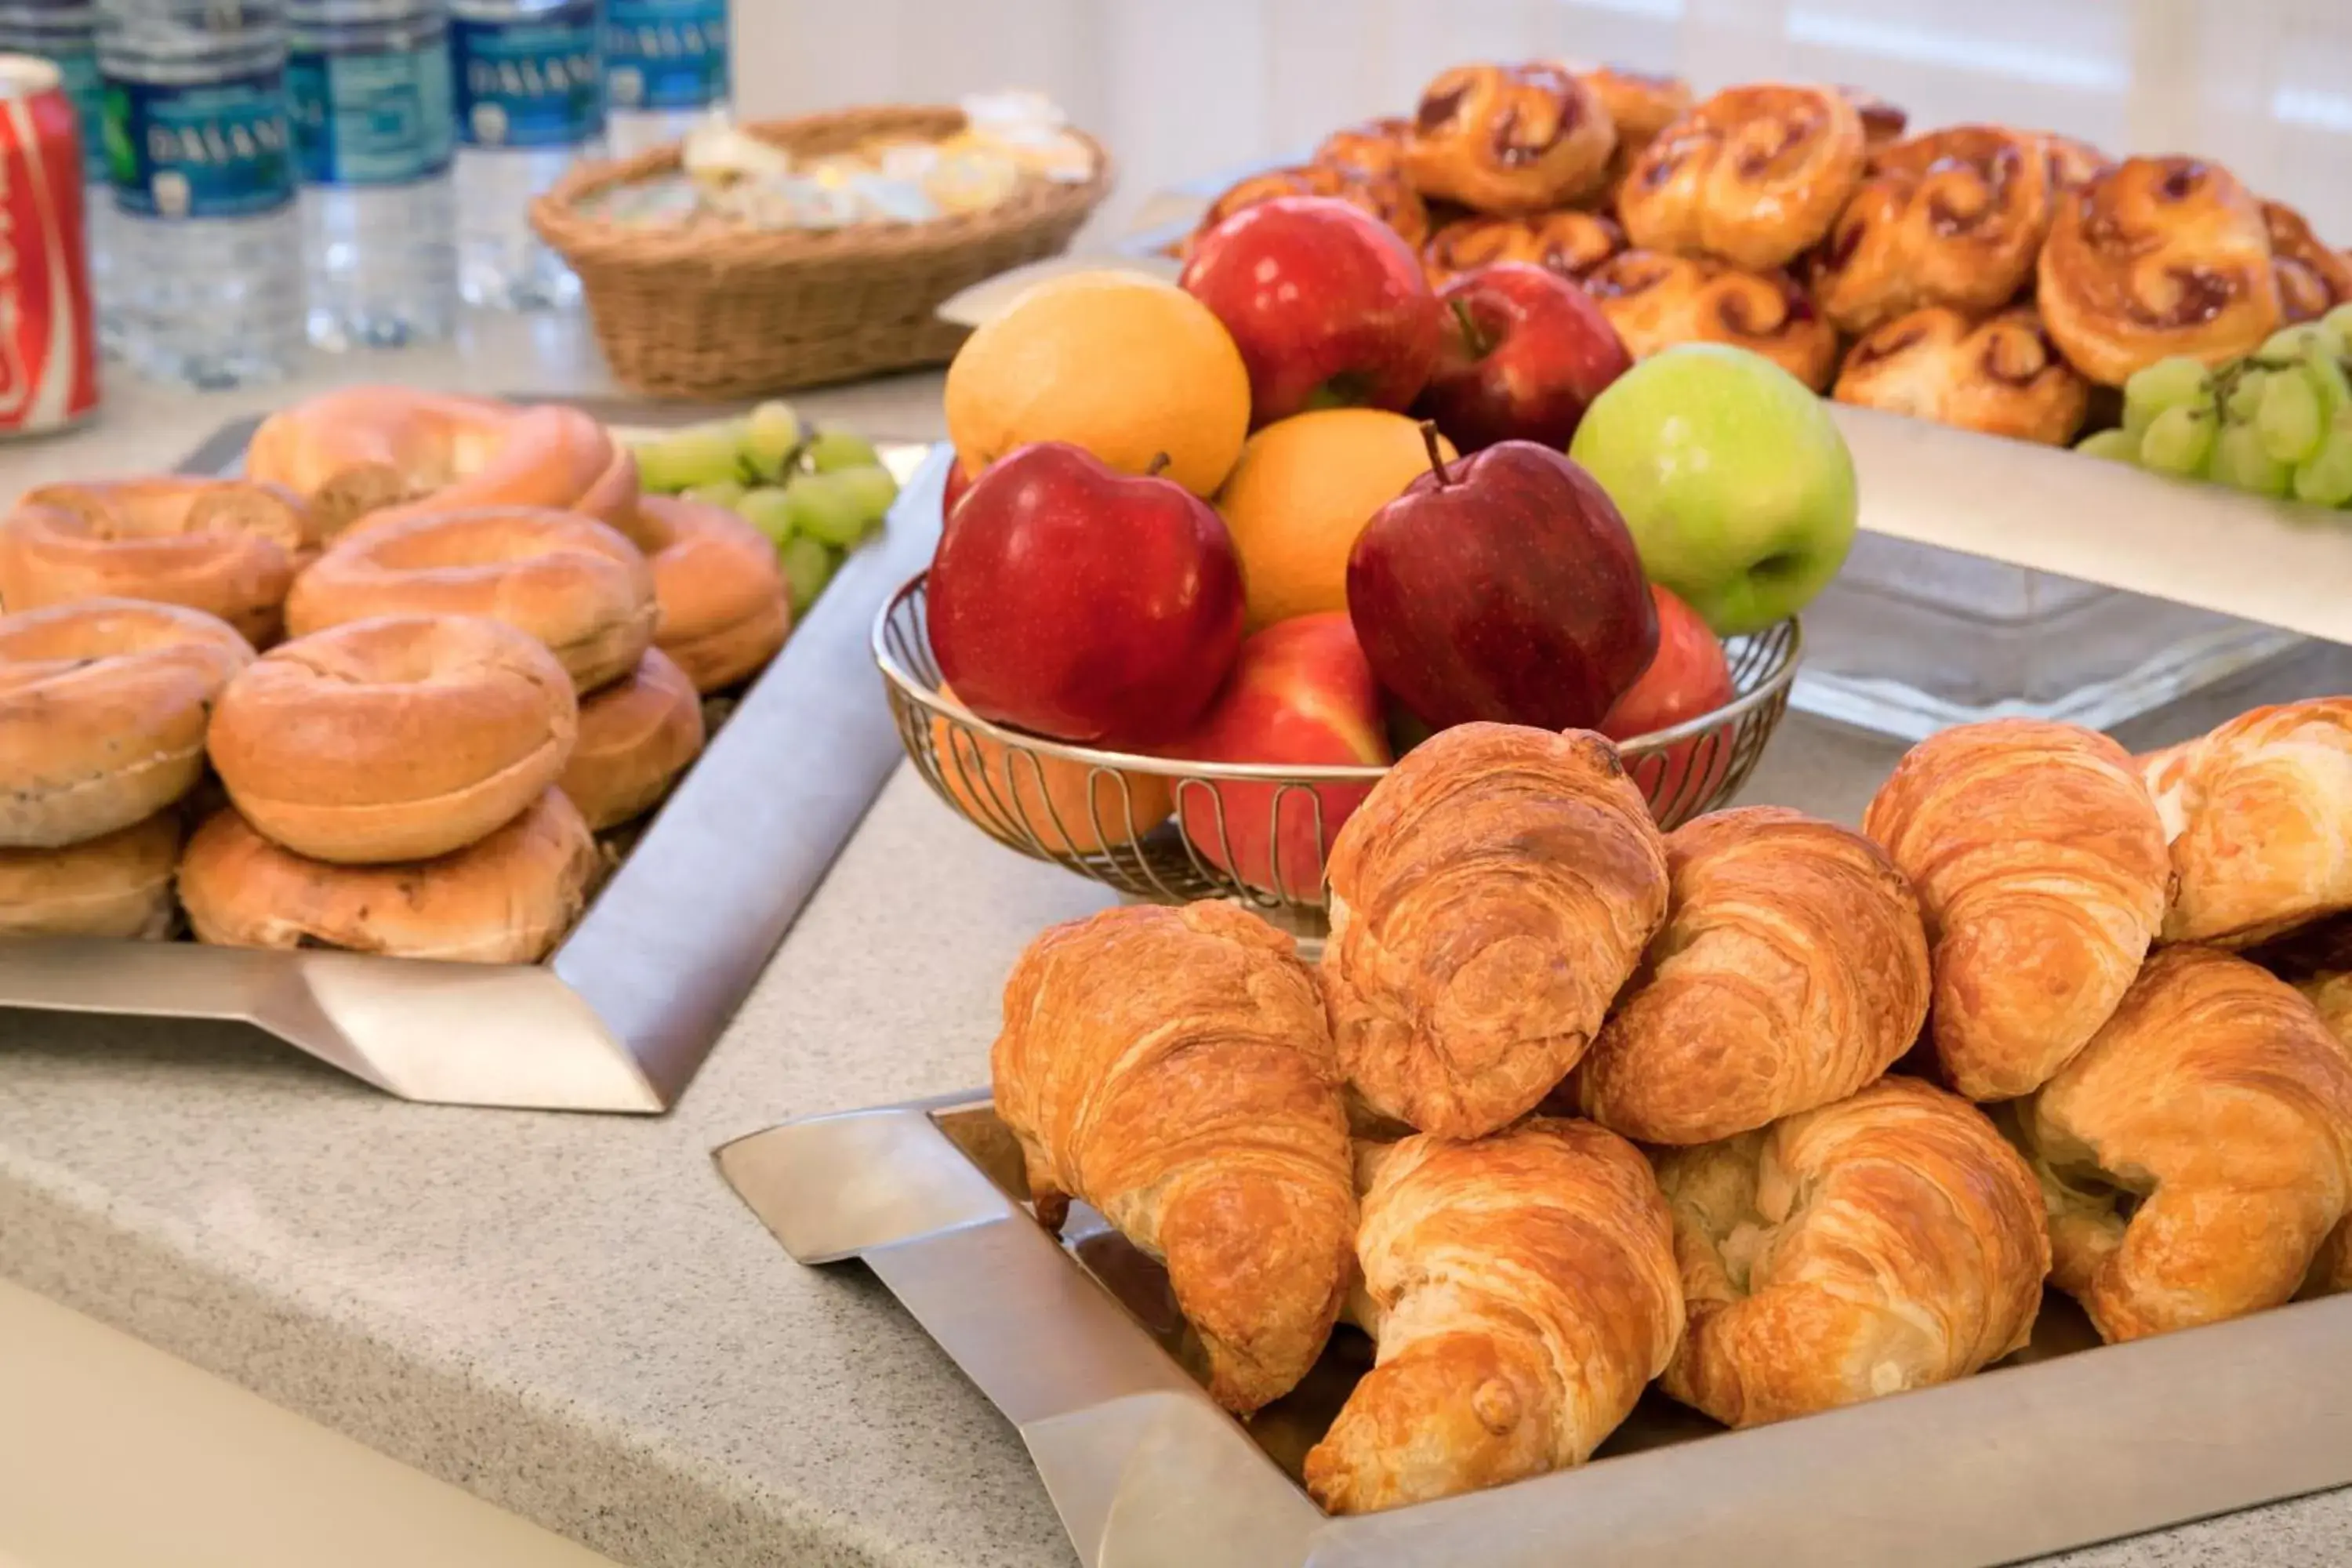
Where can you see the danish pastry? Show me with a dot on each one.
(2040, 865)
(2003, 376)
(2157, 257)
(1375, 148)
(1171, 1068)
(1755, 175)
(1569, 242)
(1385, 196)
(2313, 279)
(2258, 809)
(1521, 1289)
(1954, 217)
(2073, 161)
(1882, 123)
(1487, 901)
(1888, 1241)
(2197, 1156)
(1793, 969)
(1640, 105)
(1509, 138)
(1656, 300)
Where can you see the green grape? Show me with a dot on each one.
(807, 567)
(2116, 445)
(2328, 379)
(2293, 342)
(2177, 440)
(2288, 417)
(2176, 383)
(838, 508)
(2326, 477)
(2339, 321)
(717, 492)
(772, 437)
(831, 449)
(2245, 395)
(697, 455)
(770, 510)
(2239, 462)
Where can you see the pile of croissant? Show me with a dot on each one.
(1570, 1105)
(1980, 276)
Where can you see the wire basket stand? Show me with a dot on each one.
(1171, 831)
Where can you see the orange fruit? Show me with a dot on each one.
(1125, 366)
(1304, 488)
(1072, 809)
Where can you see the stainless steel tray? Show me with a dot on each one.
(619, 1018)
(1079, 1344)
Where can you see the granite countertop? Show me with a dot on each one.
(571, 1315)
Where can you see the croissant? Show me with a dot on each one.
(1487, 901)
(2196, 1157)
(2001, 376)
(2152, 258)
(1384, 197)
(1509, 138)
(1655, 302)
(2259, 811)
(1791, 970)
(1887, 1242)
(2312, 279)
(1569, 242)
(1521, 1289)
(1374, 148)
(2040, 865)
(1171, 1068)
(1755, 175)
(1954, 218)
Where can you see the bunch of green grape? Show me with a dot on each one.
(815, 493)
(2276, 423)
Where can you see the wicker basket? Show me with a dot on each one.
(716, 313)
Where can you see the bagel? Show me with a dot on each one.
(119, 886)
(575, 584)
(364, 450)
(724, 610)
(223, 546)
(103, 706)
(393, 739)
(506, 900)
(636, 737)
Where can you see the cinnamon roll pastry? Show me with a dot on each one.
(2313, 279)
(2073, 162)
(1954, 217)
(1374, 148)
(2003, 376)
(1656, 300)
(2157, 257)
(2256, 812)
(2196, 1159)
(1509, 138)
(1755, 175)
(1882, 123)
(1640, 105)
(1569, 242)
(1386, 196)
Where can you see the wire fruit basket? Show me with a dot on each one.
(1167, 830)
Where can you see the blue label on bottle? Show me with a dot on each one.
(215, 150)
(78, 70)
(665, 54)
(529, 83)
(378, 117)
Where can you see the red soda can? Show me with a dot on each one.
(48, 338)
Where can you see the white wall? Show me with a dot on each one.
(1179, 88)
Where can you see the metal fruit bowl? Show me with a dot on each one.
(1115, 817)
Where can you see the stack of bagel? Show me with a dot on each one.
(481, 647)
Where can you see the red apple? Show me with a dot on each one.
(1300, 693)
(1502, 586)
(958, 483)
(1083, 604)
(1522, 352)
(1688, 677)
(1329, 306)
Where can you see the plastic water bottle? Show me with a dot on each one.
(65, 33)
(208, 252)
(370, 89)
(664, 69)
(530, 99)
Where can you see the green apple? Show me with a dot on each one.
(1737, 487)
